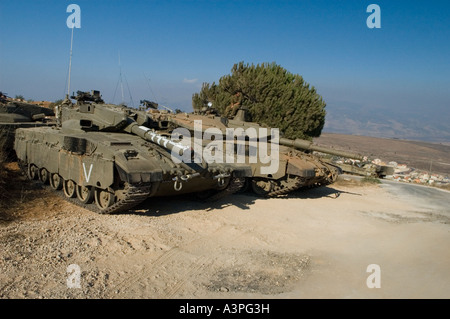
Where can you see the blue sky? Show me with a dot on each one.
(168, 48)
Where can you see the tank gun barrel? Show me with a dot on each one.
(158, 139)
(307, 145)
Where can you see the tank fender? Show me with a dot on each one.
(300, 168)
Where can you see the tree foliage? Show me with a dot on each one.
(53, 104)
(273, 96)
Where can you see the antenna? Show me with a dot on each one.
(70, 66)
(121, 85)
(129, 92)
(70, 62)
(120, 78)
(148, 82)
(119, 82)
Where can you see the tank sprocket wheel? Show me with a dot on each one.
(261, 187)
(286, 185)
(23, 167)
(69, 188)
(85, 194)
(333, 176)
(56, 182)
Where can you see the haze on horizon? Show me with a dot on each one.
(387, 82)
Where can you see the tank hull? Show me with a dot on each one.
(122, 168)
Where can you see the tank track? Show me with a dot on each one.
(328, 180)
(132, 198)
(135, 195)
(235, 184)
(285, 190)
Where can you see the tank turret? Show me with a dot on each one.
(98, 116)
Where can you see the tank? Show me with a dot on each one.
(15, 114)
(356, 165)
(103, 157)
(296, 169)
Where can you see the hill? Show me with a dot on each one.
(388, 123)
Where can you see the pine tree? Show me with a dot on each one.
(274, 97)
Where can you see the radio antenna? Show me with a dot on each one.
(70, 62)
(120, 79)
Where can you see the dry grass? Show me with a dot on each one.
(353, 182)
(15, 189)
(370, 180)
(3, 179)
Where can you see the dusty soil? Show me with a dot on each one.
(432, 157)
(315, 243)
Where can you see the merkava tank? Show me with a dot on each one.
(358, 164)
(104, 157)
(15, 114)
(296, 169)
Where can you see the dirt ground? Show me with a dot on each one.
(316, 243)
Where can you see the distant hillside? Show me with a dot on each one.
(388, 123)
(420, 155)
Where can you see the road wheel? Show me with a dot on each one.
(104, 198)
(56, 182)
(85, 194)
(69, 188)
(44, 176)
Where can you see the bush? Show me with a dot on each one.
(273, 96)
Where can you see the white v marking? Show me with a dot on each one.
(88, 176)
